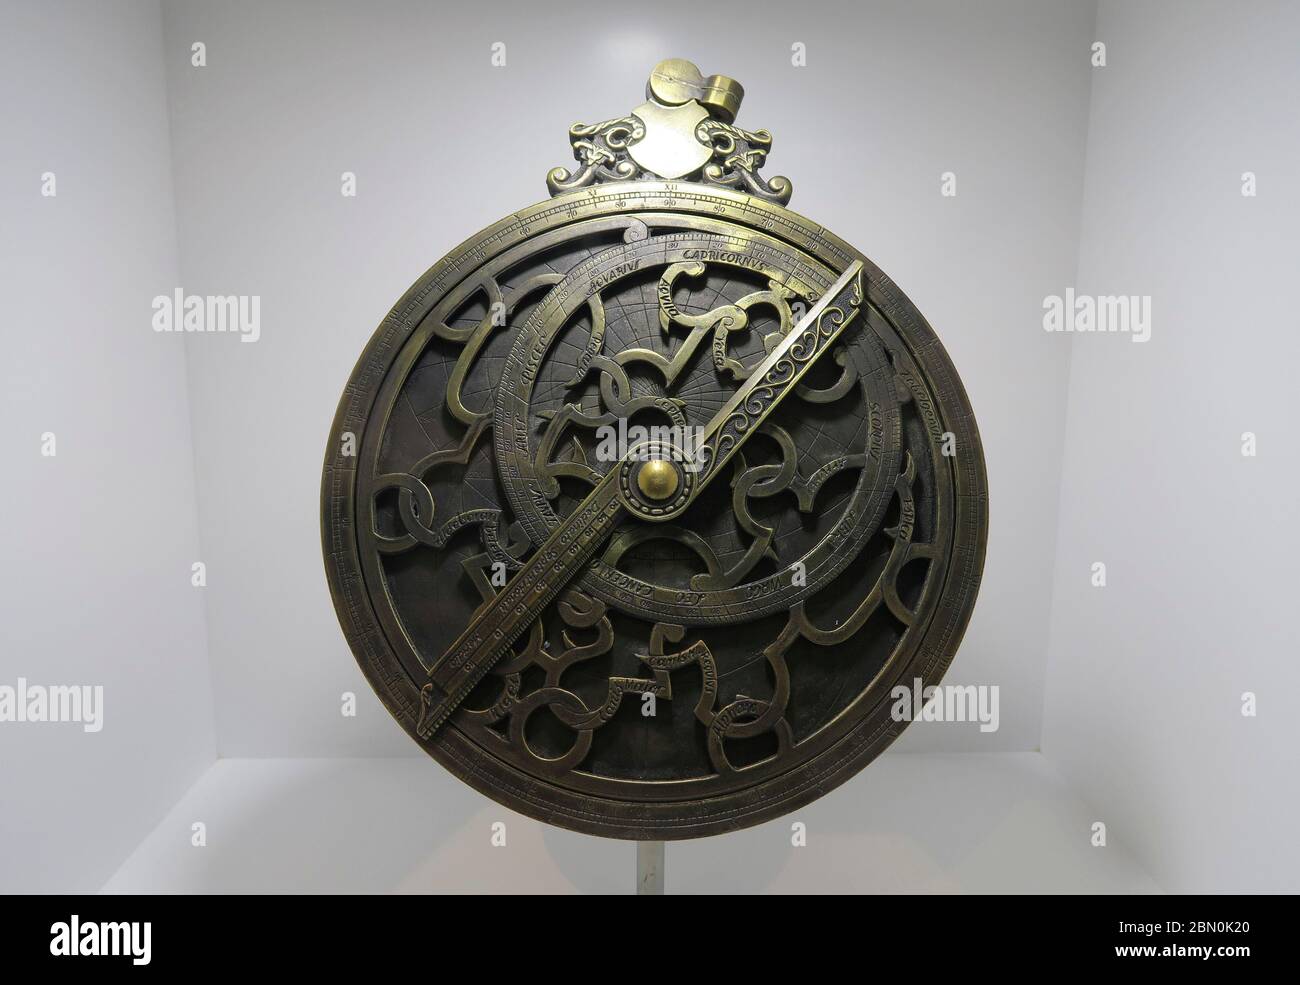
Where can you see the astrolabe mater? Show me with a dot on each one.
(640, 502)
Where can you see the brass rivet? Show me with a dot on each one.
(657, 479)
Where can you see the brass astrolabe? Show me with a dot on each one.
(639, 503)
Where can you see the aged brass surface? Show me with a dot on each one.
(562, 555)
(675, 81)
(526, 546)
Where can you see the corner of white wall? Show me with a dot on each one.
(1147, 675)
(100, 537)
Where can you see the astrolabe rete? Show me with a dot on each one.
(640, 502)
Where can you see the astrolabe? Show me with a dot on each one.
(641, 501)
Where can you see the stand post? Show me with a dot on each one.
(649, 868)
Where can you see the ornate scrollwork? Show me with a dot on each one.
(683, 131)
(737, 156)
(601, 149)
(535, 677)
(608, 382)
(741, 717)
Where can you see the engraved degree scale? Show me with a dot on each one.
(636, 505)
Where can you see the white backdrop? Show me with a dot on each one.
(225, 179)
(99, 539)
(1147, 675)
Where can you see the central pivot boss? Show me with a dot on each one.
(655, 481)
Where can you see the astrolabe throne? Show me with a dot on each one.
(640, 502)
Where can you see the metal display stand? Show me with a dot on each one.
(649, 868)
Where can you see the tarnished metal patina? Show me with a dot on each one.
(641, 501)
